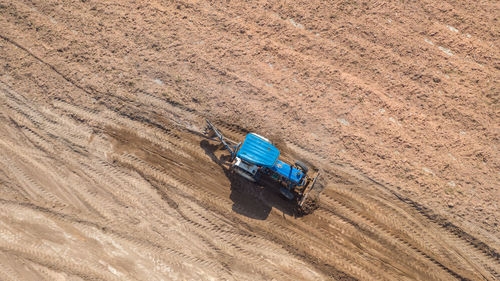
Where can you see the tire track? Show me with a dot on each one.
(7, 272)
(90, 197)
(352, 233)
(215, 230)
(161, 138)
(387, 232)
(415, 231)
(31, 117)
(215, 200)
(36, 255)
(481, 248)
(225, 241)
(163, 222)
(90, 229)
(36, 191)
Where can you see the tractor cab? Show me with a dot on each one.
(255, 153)
(258, 156)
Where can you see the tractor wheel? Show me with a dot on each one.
(301, 166)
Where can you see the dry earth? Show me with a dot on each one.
(105, 175)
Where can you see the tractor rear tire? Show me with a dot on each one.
(301, 166)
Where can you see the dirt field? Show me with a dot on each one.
(105, 173)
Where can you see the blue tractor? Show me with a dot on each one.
(256, 156)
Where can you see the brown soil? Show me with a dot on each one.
(105, 173)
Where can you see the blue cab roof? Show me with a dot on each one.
(258, 151)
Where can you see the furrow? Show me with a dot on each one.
(490, 256)
(91, 230)
(439, 245)
(214, 200)
(30, 186)
(368, 224)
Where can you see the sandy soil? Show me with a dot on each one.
(105, 173)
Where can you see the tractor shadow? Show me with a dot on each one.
(253, 200)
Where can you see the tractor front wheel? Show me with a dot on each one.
(299, 164)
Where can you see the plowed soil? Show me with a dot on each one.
(106, 174)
